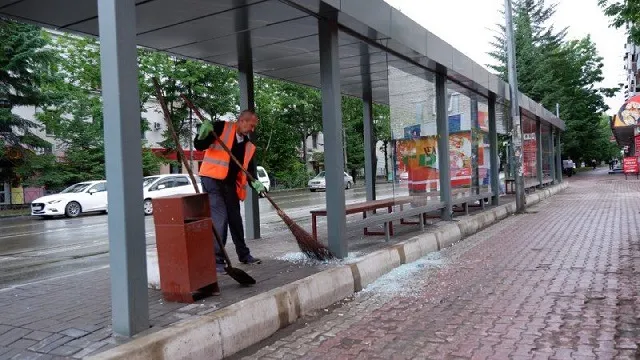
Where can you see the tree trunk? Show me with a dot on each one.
(304, 149)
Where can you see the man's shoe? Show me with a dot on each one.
(251, 260)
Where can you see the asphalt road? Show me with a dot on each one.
(33, 249)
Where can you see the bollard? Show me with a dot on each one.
(186, 254)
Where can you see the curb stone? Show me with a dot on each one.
(240, 325)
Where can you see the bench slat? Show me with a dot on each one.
(471, 198)
(368, 205)
(396, 215)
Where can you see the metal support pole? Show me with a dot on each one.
(443, 144)
(516, 131)
(333, 140)
(558, 149)
(246, 83)
(558, 156)
(123, 158)
(369, 148)
(539, 151)
(493, 151)
(475, 178)
(369, 135)
(551, 155)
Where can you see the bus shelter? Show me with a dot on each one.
(446, 110)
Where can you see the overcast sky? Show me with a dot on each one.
(469, 26)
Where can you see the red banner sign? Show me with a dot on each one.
(630, 165)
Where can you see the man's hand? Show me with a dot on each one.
(205, 129)
(257, 185)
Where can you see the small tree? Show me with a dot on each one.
(27, 64)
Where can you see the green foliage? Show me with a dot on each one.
(603, 148)
(624, 13)
(352, 118)
(213, 89)
(26, 66)
(301, 109)
(292, 175)
(552, 70)
(62, 77)
(276, 136)
(150, 162)
(73, 113)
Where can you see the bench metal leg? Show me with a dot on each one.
(466, 208)
(387, 231)
(314, 225)
(421, 219)
(364, 216)
(390, 209)
(366, 230)
(482, 203)
(405, 222)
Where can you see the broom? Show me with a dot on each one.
(235, 273)
(307, 244)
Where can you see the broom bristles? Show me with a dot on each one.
(307, 244)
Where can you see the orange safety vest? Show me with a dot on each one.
(215, 163)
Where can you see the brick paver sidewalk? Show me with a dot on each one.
(560, 282)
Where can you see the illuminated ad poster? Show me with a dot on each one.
(418, 163)
(483, 158)
(629, 113)
(529, 145)
(460, 159)
(483, 121)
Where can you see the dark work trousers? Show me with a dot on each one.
(225, 213)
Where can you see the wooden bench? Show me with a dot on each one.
(387, 219)
(364, 208)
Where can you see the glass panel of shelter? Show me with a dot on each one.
(412, 106)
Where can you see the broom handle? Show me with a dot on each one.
(226, 148)
(167, 118)
(172, 131)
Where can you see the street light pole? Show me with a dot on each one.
(516, 129)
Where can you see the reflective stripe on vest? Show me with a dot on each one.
(226, 137)
(216, 161)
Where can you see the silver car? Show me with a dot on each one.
(319, 183)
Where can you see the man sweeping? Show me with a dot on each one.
(224, 181)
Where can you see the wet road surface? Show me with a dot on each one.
(33, 249)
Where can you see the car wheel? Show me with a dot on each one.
(349, 185)
(73, 209)
(148, 207)
(312, 190)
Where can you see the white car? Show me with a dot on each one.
(319, 183)
(84, 197)
(263, 177)
(166, 185)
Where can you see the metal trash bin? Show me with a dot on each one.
(186, 253)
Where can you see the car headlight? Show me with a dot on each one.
(54, 201)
